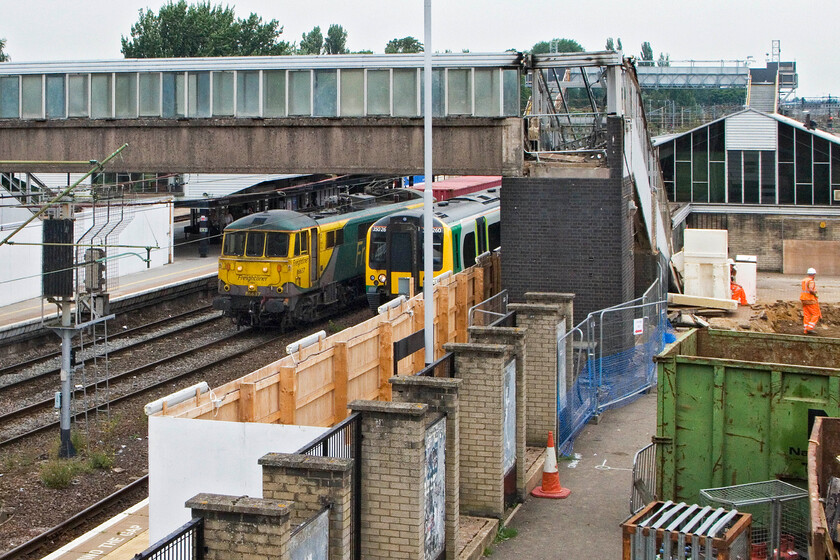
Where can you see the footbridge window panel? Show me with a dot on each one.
(32, 97)
(198, 94)
(248, 94)
(379, 92)
(223, 86)
(325, 93)
(300, 93)
(125, 96)
(487, 92)
(174, 103)
(100, 96)
(149, 90)
(406, 95)
(352, 93)
(511, 101)
(459, 97)
(9, 97)
(55, 105)
(274, 93)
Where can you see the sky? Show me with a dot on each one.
(52, 30)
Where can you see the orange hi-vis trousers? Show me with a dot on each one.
(811, 314)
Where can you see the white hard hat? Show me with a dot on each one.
(731, 262)
(811, 271)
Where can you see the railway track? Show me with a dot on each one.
(45, 405)
(9, 370)
(131, 492)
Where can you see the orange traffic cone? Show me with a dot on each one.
(551, 479)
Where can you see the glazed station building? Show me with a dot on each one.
(772, 182)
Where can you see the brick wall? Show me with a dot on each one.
(393, 496)
(570, 234)
(441, 395)
(764, 235)
(313, 483)
(481, 395)
(243, 528)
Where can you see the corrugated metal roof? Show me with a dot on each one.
(659, 140)
(199, 186)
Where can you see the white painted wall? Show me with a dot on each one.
(20, 265)
(143, 223)
(187, 457)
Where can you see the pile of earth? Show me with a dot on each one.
(784, 317)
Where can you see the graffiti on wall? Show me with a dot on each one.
(435, 489)
(509, 416)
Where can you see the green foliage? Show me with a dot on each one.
(59, 473)
(504, 533)
(405, 45)
(4, 57)
(203, 29)
(557, 46)
(101, 460)
(312, 42)
(610, 45)
(618, 44)
(647, 55)
(336, 41)
(333, 328)
(664, 60)
(79, 441)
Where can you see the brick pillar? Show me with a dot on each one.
(393, 486)
(312, 483)
(515, 339)
(540, 318)
(481, 367)
(441, 395)
(239, 527)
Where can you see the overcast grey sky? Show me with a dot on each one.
(41, 30)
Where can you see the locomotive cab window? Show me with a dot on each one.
(234, 244)
(277, 244)
(377, 249)
(495, 232)
(301, 243)
(437, 249)
(334, 238)
(255, 244)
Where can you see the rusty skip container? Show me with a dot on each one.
(737, 407)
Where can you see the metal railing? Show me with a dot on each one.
(612, 361)
(311, 538)
(442, 367)
(185, 543)
(484, 314)
(644, 478)
(344, 441)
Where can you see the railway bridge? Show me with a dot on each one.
(582, 187)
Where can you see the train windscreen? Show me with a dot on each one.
(401, 252)
(277, 244)
(377, 249)
(234, 244)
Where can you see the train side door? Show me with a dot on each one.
(301, 259)
(481, 234)
(313, 257)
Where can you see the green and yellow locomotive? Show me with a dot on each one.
(463, 228)
(282, 267)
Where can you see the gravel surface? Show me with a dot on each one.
(30, 508)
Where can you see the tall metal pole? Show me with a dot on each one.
(66, 450)
(428, 200)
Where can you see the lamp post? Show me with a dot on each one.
(428, 200)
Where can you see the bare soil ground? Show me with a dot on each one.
(784, 317)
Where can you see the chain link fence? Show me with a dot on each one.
(612, 362)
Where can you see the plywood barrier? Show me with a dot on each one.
(312, 387)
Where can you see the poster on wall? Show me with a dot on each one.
(509, 416)
(435, 489)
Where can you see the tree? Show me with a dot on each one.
(4, 57)
(405, 45)
(557, 46)
(336, 40)
(618, 44)
(647, 55)
(312, 42)
(610, 46)
(203, 29)
(664, 60)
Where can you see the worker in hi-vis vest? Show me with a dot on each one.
(810, 303)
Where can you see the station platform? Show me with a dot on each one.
(187, 266)
(119, 538)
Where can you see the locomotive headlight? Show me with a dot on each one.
(372, 277)
(382, 278)
(239, 268)
(265, 269)
(252, 287)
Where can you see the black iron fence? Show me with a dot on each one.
(442, 367)
(185, 543)
(344, 441)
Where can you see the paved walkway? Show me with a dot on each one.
(587, 523)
